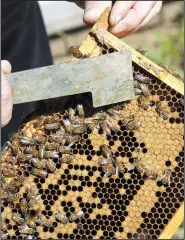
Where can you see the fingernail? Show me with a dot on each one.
(115, 20)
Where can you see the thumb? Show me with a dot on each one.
(6, 94)
(6, 67)
(94, 9)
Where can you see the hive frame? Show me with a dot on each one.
(90, 46)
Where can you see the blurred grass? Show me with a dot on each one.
(169, 49)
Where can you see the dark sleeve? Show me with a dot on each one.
(25, 45)
(24, 40)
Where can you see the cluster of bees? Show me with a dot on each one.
(164, 177)
(112, 166)
(40, 150)
(27, 223)
(59, 132)
(144, 97)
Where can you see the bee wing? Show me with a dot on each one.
(131, 167)
(117, 171)
(80, 213)
(27, 187)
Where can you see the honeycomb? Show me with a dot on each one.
(127, 204)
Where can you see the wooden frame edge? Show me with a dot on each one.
(107, 38)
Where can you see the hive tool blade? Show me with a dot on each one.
(108, 77)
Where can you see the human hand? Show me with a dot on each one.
(126, 16)
(6, 94)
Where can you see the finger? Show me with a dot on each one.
(154, 12)
(6, 67)
(133, 19)
(119, 11)
(6, 101)
(94, 9)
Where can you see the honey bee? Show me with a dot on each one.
(16, 217)
(4, 195)
(113, 113)
(112, 124)
(142, 169)
(51, 154)
(61, 217)
(15, 183)
(165, 178)
(127, 120)
(3, 183)
(24, 206)
(51, 146)
(21, 158)
(136, 164)
(142, 79)
(26, 230)
(104, 161)
(106, 151)
(78, 129)
(58, 138)
(30, 221)
(43, 221)
(80, 110)
(71, 114)
(140, 50)
(92, 125)
(145, 90)
(105, 128)
(32, 191)
(37, 163)
(65, 149)
(9, 172)
(31, 150)
(121, 167)
(110, 170)
(99, 116)
(52, 126)
(41, 151)
(136, 84)
(39, 139)
(151, 174)
(14, 147)
(68, 126)
(52, 119)
(77, 53)
(161, 110)
(50, 165)
(33, 201)
(76, 215)
(137, 91)
(39, 173)
(72, 139)
(67, 158)
(4, 227)
(144, 102)
(133, 125)
(26, 141)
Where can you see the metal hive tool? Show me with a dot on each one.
(128, 206)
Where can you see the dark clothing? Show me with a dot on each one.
(25, 45)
